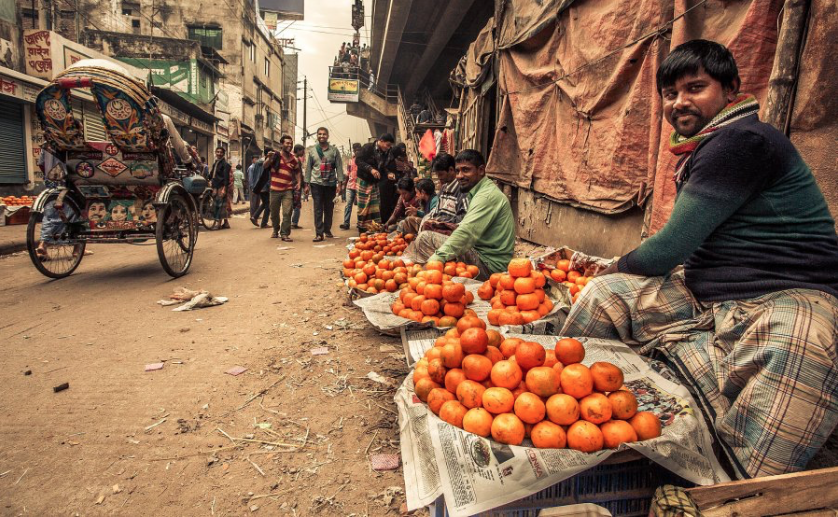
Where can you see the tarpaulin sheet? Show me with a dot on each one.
(814, 121)
(580, 120)
(580, 117)
(749, 30)
(474, 67)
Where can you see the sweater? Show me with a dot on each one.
(488, 227)
(329, 176)
(749, 220)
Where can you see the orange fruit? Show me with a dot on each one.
(550, 358)
(478, 421)
(520, 267)
(493, 354)
(474, 340)
(447, 321)
(576, 380)
(506, 282)
(562, 409)
(486, 291)
(528, 302)
(584, 436)
(569, 351)
(452, 355)
(595, 408)
(539, 278)
(453, 379)
(530, 408)
(494, 278)
(433, 277)
(510, 318)
(420, 371)
(473, 271)
(433, 353)
(573, 275)
(623, 404)
(416, 302)
(525, 285)
(453, 292)
(423, 388)
(563, 265)
(433, 292)
(477, 367)
(508, 428)
(468, 322)
(542, 380)
(437, 370)
(646, 424)
(607, 376)
(454, 309)
(429, 307)
(508, 297)
(506, 374)
(397, 308)
(509, 345)
(530, 354)
(498, 400)
(558, 275)
(434, 265)
(495, 338)
(547, 435)
(453, 413)
(615, 432)
(493, 316)
(470, 393)
(437, 397)
(522, 388)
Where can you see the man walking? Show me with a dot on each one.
(238, 185)
(351, 186)
(300, 153)
(220, 177)
(324, 171)
(261, 190)
(284, 175)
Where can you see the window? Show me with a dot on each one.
(267, 67)
(126, 12)
(252, 48)
(135, 23)
(207, 36)
(203, 81)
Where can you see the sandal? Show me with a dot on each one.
(319, 238)
(287, 239)
(42, 254)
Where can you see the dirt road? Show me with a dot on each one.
(122, 441)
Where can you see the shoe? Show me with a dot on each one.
(263, 226)
(296, 227)
(344, 227)
(254, 221)
(274, 235)
(329, 235)
(226, 225)
(319, 238)
(287, 239)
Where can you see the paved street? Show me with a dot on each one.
(121, 441)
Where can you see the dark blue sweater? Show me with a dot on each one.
(749, 220)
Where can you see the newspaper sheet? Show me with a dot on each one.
(476, 474)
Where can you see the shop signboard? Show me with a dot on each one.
(343, 90)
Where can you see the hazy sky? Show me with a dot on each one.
(327, 24)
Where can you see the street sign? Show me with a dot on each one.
(343, 90)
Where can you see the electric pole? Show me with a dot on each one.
(305, 111)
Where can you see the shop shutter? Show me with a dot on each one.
(94, 128)
(12, 143)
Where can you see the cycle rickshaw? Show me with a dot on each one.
(137, 187)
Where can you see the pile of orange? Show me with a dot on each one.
(379, 243)
(17, 201)
(574, 280)
(431, 295)
(372, 273)
(517, 297)
(510, 389)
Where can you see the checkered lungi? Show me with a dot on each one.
(764, 369)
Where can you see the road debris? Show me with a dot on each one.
(381, 462)
(154, 367)
(236, 371)
(193, 299)
(61, 387)
(321, 350)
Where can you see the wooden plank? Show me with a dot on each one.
(798, 492)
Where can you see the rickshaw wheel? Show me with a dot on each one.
(206, 211)
(65, 254)
(177, 232)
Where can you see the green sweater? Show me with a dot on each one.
(488, 227)
(749, 220)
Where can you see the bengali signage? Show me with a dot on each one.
(343, 90)
(36, 51)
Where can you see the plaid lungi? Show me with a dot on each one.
(369, 200)
(764, 369)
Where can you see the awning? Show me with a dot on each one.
(190, 108)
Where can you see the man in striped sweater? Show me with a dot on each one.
(285, 175)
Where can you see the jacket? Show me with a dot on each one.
(220, 174)
(371, 157)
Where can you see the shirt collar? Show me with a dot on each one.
(480, 185)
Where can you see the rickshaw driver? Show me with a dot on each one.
(750, 320)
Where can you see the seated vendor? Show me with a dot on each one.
(407, 199)
(749, 322)
(486, 235)
(453, 202)
(427, 199)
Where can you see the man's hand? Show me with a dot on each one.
(307, 190)
(610, 270)
(411, 210)
(376, 174)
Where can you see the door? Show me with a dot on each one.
(12, 143)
